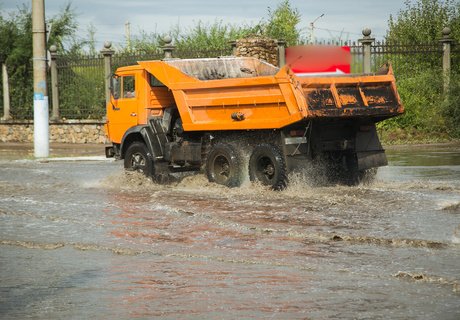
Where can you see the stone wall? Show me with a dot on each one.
(258, 47)
(63, 132)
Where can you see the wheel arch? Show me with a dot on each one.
(133, 134)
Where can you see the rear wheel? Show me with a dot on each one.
(224, 165)
(364, 177)
(347, 172)
(137, 159)
(267, 165)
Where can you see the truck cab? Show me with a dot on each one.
(136, 95)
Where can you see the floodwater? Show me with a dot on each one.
(83, 240)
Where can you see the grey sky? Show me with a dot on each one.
(109, 16)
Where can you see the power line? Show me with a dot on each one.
(348, 32)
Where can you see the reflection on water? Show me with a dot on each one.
(423, 163)
(84, 240)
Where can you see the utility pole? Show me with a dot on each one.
(312, 29)
(41, 115)
(6, 94)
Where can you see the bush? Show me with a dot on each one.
(451, 106)
(421, 97)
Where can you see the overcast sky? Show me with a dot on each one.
(109, 16)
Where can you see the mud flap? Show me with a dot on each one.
(371, 159)
(369, 151)
(109, 152)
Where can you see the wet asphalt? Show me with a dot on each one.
(81, 239)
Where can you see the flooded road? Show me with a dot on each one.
(81, 240)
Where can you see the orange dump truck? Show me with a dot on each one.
(234, 117)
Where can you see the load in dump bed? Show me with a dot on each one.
(238, 116)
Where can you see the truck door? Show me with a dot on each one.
(122, 114)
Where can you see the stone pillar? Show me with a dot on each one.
(233, 45)
(367, 41)
(446, 58)
(281, 53)
(6, 94)
(54, 84)
(259, 48)
(107, 52)
(168, 48)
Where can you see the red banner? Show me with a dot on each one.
(319, 60)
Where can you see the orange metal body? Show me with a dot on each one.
(265, 99)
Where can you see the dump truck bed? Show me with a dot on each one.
(247, 93)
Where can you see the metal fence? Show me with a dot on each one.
(82, 89)
(81, 79)
(455, 56)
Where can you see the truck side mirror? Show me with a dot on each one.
(115, 86)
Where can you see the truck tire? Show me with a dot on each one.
(352, 176)
(267, 166)
(224, 165)
(137, 159)
(361, 177)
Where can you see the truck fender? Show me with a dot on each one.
(153, 145)
(133, 134)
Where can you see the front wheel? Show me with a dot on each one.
(267, 165)
(137, 158)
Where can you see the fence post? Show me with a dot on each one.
(233, 45)
(281, 53)
(367, 41)
(446, 45)
(6, 94)
(54, 84)
(107, 52)
(168, 48)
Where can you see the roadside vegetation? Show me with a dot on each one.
(432, 114)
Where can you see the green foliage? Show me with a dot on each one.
(16, 53)
(430, 115)
(422, 97)
(451, 106)
(81, 89)
(282, 23)
(422, 21)
(214, 36)
(419, 75)
(62, 29)
(202, 37)
(144, 42)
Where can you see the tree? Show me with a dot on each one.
(419, 79)
(63, 27)
(422, 21)
(16, 52)
(282, 23)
